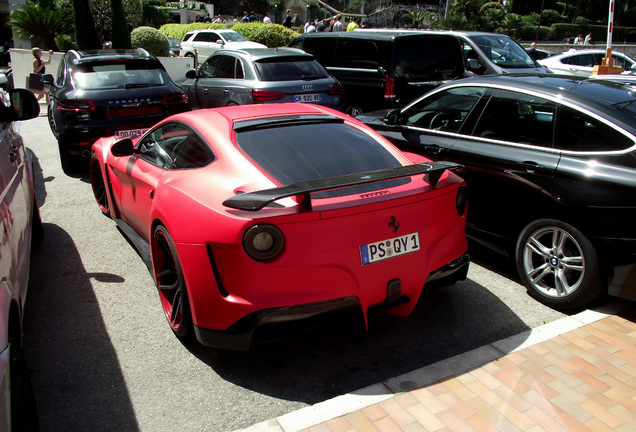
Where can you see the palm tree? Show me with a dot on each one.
(424, 19)
(41, 25)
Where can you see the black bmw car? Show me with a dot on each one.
(550, 162)
(101, 93)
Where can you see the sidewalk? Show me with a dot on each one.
(574, 374)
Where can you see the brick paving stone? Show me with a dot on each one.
(374, 412)
(457, 405)
(430, 401)
(425, 417)
(598, 426)
(591, 381)
(340, 424)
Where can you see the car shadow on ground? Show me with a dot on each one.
(66, 336)
(447, 321)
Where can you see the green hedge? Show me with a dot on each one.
(150, 39)
(272, 35)
(530, 33)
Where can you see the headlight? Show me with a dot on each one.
(263, 242)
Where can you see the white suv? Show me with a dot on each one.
(200, 44)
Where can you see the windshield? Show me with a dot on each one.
(127, 74)
(290, 69)
(503, 51)
(233, 37)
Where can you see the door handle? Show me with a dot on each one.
(205, 90)
(530, 167)
(434, 149)
(152, 194)
(226, 92)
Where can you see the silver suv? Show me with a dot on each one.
(201, 44)
(21, 225)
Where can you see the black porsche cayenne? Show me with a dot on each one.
(101, 93)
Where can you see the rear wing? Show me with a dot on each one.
(254, 201)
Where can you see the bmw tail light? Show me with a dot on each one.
(462, 200)
(175, 98)
(76, 105)
(336, 90)
(263, 242)
(389, 88)
(266, 95)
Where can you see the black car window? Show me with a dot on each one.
(517, 117)
(621, 62)
(323, 48)
(580, 60)
(309, 151)
(354, 53)
(208, 69)
(225, 68)
(201, 37)
(289, 69)
(428, 58)
(576, 131)
(175, 146)
(239, 69)
(445, 110)
(118, 74)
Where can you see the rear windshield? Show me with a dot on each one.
(125, 74)
(290, 69)
(422, 59)
(301, 152)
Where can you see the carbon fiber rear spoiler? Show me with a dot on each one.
(254, 201)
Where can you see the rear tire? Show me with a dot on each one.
(171, 283)
(99, 185)
(558, 265)
(24, 415)
(70, 163)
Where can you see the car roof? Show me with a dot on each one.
(262, 53)
(109, 55)
(378, 34)
(587, 50)
(212, 30)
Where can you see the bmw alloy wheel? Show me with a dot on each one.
(558, 265)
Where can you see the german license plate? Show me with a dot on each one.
(391, 248)
(130, 133)
(309, 97)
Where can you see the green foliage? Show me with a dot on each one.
(582, 21)
(151, 39)
(530, 33)
(85, 32)
(120, 35)
(531, 19)
(509, 25)
(42, 26)
(551, 17)
(422, 19)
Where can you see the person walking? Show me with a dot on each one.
(353, 25)
(39, 67)
(337, 25)
(288, 20)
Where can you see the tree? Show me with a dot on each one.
(42, 26)
(85, 32)
(120, 33)
(422, 19)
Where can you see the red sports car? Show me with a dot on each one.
(262, 218)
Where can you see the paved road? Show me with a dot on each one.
(103, 357)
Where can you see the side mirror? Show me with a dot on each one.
(220, 41)
(123, 147)
(633, 67)
(24, 106)
(47, 79)
(392, 117)
(472, 65)
(191, 74)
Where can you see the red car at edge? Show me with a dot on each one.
(263, 218)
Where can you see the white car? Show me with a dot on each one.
(581, 62)
(201, 44)
(21, 224)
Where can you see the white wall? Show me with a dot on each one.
(22, 65)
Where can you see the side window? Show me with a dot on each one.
(208, 69)
(200, 37)
(160, 147)
(226, 67)
(516, 117)
(323, 48)
(61, 72)
(446, 111)
(576, 131)
(213, 37)
(239, 69)
(354, 53)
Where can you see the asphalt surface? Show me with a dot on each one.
(103, 357)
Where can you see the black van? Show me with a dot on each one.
(384, 69)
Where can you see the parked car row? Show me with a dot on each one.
(536, 159)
